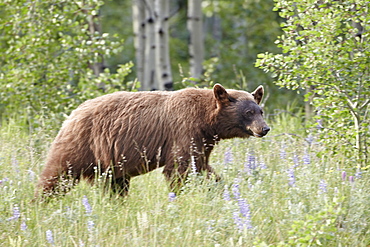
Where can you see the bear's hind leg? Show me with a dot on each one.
(53, 181)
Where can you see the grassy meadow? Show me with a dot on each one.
(275, 191)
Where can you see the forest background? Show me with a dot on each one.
(57, 54)
(57, 50)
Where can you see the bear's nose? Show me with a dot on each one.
(265, 130)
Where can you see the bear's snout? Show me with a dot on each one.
(265, 130)
(260, 132)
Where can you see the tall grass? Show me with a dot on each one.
(275, 191)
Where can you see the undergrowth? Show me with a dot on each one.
(274, 191)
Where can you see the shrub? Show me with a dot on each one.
(325, 52)
(48, 49)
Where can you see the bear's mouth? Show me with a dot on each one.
(252, 133)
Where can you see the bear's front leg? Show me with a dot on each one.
(121, 185)
(177, 172)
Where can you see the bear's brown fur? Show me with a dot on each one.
(132, 133)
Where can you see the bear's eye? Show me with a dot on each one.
(249, 112)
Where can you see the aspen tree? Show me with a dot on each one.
(163, 66)
(196, 45)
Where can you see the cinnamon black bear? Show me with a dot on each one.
(132, 133)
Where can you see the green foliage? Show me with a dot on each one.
(47, 50)
(316, 229)
(326, 53)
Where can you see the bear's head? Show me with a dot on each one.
(239, 113)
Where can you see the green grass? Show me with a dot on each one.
(314, 207)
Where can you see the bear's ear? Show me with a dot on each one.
(220, 93)
(258, 94)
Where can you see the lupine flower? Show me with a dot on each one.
(4, 180)
(238, 220)
(358, 173)
(245, 220)
(263, 165)
(171, 196)
(251, 162)
(283, 152)
(309, 139)
(235, 190)
(248, 223)
(351, 179)
(49, 237)
(323, 186)
(295, 160)
(244, 209)
(291, 177)
(306, 158)
(90, 225)
(226, 194)
(228, 156)
(87, 205)
(23, 226)
(16, 213)
(344, 175)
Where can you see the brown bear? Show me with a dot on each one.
(132, 133)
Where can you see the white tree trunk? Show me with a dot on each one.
(138, 20)
(196, 45)
(163, 66)
(149, 80)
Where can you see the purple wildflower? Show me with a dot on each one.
(251, 163)
(351, 179)
(242, 218)
(358, 174)
(228, 156)
(306, 158)
(90, 225)
(263, 165)
(309, 139)
(344, 175)
(226, 194)
(238, 220)
(4, 180)
(247, 223)
(283, 152)
(244, 208)
(295, 160)
(23, 226)
(16, 213)
(172, 196)
(49, 237)
(323, 186)
(291, 177)
(235, 190)
(87, 205)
